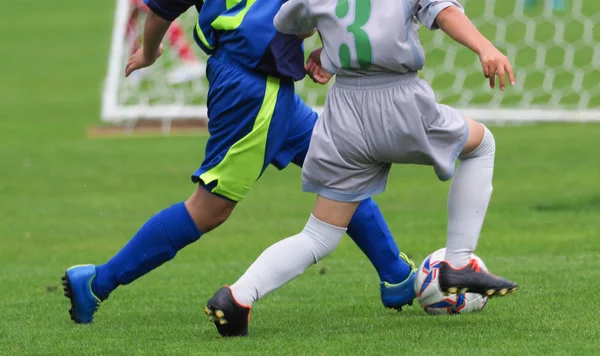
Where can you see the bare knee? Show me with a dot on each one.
(479, 143)
(208, 210)
(475, 136)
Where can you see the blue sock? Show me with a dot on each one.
(157, 242)
(370, 232)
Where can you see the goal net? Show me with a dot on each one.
(551, 44)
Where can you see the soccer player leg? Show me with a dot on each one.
(368, 229)
(279, 264)
(235, 157)
(155, 243)
(468, 200)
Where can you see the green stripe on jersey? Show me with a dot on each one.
(228, 23)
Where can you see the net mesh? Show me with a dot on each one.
(551, 44)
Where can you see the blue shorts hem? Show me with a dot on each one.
(209, 187)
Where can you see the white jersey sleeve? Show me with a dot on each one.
(428, 10)
(294, 18)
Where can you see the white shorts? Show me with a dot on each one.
(371, 122)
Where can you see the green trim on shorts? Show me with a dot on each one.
(243, 163)
(201, 36)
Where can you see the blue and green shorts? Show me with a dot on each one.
(254, 120)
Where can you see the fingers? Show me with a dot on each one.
(511, 74)
(502, 69)
(323, 76)
(318, 75)
(310, 68)
(501, 77)
(132, 66)
(486, 69)
(506, 69)
(494, 64)
(309, 64)
(129, 68)
(313, 70)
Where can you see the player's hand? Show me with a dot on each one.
(315, 70)
(138, 60)
(495, 64)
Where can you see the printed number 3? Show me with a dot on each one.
(364, 53)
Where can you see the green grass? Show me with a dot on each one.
(67, 199)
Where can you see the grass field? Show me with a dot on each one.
(68, 199)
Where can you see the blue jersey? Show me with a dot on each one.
(245, 30)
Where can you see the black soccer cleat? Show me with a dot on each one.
(230, 317)
(472, 279)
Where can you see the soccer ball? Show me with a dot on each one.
(430, 295)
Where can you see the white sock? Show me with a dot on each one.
(286, 260)
(468, 200)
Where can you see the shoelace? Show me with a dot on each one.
(408, 260)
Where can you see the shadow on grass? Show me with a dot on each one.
(571, 205)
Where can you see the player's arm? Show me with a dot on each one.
(458, 26)
(448, 15)
(294, 18)
(158, 21)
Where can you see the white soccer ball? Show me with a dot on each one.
(430, 295)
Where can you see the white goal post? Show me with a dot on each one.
(555, 53)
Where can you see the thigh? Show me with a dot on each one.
(243, 127)
(418, 130)
(446, 139)
(302, 121)
(338, 164)
(446, 131)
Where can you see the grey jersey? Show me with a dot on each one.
(364, 37)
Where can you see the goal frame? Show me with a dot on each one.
(113, 113)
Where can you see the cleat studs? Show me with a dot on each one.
(463, 290)
(219, 314)
(452, 290)
(222, 321)
(490, 292)
(212, 318)
(503, 291)
(208, 311)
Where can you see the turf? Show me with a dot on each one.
(67, 199)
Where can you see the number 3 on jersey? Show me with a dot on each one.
(362, 44)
